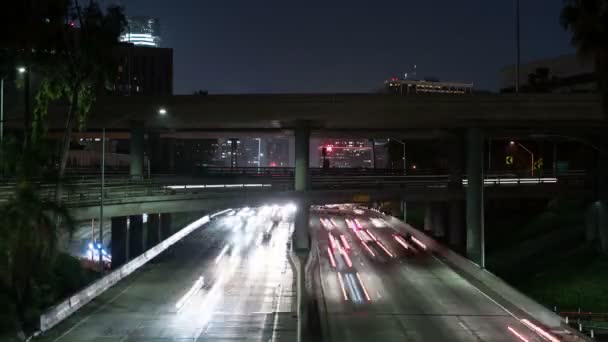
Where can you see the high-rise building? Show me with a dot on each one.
(142, 31)
(143, 71)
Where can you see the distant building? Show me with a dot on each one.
(343, 153)
(413, 87)
(562, 74)
(143, 71)
(142, 31)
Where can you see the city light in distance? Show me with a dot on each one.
(162, 111)
(21, 70)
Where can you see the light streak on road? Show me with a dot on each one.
(350, 224)
(517, 334)
(350, 281)
(221, 255)
(341, 281)
(385, 249)
(378, 223)
(358, 224)
(345, 256)
(332, 241)
(191, 292)
(423, 246)
(333, 222)
(363, 287)
(371, 235)
(368, 249)
(331, 258)
(401, 242)
(539, 330)
(344, 242)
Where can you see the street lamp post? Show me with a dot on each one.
(527, 150)
(259, 153)
(162, 111)
(103, 182)
(517, 38)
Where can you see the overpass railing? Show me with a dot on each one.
(86, 189)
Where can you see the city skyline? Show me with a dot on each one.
(350, 48)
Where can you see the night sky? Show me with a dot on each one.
(268, 46)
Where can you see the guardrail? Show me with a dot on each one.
(87, 189)
(61, 311)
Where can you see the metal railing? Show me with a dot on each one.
(87, 188)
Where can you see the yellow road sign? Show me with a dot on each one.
(509, 160)
(538, 164)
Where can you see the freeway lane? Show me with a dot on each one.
(228, 280)
(409, 296)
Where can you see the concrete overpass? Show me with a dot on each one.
(464, 122)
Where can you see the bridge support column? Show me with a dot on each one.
(438, 224)
(136, 236)
(434, 219)
(474, 197)
(373, 152)
(301, 236)
(428, 218)
(404, 211)
(456, 226)
(165, 226)
(155, 152)
(153, 231)
(119, 241)
(302, 134)
(300, 252)
(601, 205)
(137, 150)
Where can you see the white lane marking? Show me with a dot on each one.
(276, 314)
(112, 300)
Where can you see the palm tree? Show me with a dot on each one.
(588, 22)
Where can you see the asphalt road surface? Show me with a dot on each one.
(228, 281)
(397, 293)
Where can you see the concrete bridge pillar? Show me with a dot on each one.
(165, 226)
(136, 236)
(302, 152)
(601, 204)
(137, 150)
(428, 218)
(119, 241)
(153, 231)
(438, 220)
(301, 236)
(455, 225)
(474, 196)
(155, 153)
(404, 211)
(455, 234)
(434, 219)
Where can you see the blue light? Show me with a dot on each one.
(90, 245)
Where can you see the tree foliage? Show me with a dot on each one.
(587, 20)
(28, 234)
